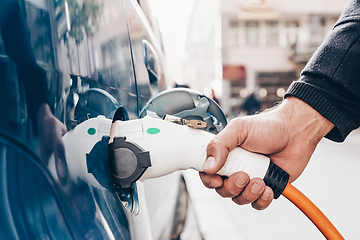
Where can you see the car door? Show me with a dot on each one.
(92, 63)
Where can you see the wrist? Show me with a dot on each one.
(303, 120)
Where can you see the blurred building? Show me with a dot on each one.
(266, 43)
(202, 62)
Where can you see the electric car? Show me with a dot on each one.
(94, 57)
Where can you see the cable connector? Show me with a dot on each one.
(276, 179)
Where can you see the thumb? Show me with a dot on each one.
(222, 144)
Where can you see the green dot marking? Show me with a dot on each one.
(91, 131)
(153, 130)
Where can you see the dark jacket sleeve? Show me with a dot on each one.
(330, 82)
(16, 38)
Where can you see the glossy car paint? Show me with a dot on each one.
(83, 46)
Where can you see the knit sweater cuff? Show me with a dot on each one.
(309, 94)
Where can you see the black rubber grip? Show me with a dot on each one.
(276, 179)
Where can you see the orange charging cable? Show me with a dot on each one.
(312, 212)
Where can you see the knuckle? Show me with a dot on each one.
(209, 184)
(223, 192)
(238, 200)
(206, 180)
(241, 180)
(234, 121)
(237, 123)
(213, 143)
(247, 199)
(212, 147)
(232, 188)
(232, 193)
(211, 181)
(258, 207)
(214, 183)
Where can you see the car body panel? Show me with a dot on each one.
(91, 52)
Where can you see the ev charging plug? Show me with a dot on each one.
(164, 147)
(149, 148)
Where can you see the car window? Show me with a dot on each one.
(147, 54)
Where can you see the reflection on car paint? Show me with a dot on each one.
(90, 66)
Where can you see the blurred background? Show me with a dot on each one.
(233, 49)
(239, 47)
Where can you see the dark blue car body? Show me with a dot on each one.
(98, 55)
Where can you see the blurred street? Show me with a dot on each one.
(330, 181)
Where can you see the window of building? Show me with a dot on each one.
(233, 34)
(317, 27)
(292, 32)
(234, 24)
(263, 32)
(252, 33)
(272, 33)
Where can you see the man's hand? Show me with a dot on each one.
(51, 131)
(288, 135)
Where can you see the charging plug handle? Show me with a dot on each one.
(128, 162)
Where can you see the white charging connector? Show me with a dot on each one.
(174, 147)
(150, 147)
